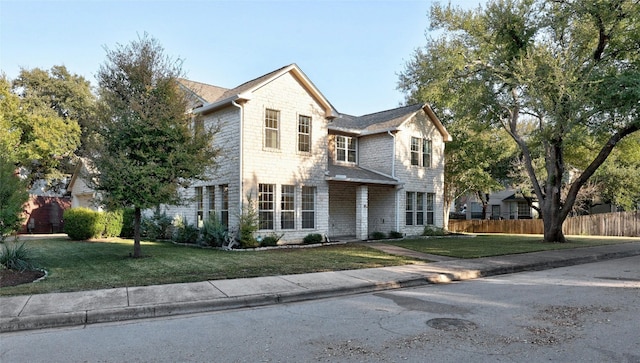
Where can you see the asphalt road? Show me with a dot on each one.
(585, 313)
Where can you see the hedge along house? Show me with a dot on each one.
(310, 169)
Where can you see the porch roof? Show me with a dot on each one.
(356, 174)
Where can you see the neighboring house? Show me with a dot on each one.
(504, 204)
(310, 169)
(43, 211)
(81, 194)
(43, 214)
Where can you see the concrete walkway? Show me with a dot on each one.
(87, 307)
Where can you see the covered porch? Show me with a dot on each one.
(361, 202)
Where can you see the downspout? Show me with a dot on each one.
(241, 159)
(393, 175)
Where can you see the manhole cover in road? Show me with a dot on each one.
(451, 324)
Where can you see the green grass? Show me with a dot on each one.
(76, 266)
(499, 244)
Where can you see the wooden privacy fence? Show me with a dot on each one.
(625, 224)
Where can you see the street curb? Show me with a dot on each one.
(465, 271)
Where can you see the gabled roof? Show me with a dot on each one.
(207, 93)
(383, 121)
(244, 91)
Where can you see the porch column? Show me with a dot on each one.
(362, 212)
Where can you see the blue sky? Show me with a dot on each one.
(351, 49)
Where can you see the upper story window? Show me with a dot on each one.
(271, 129)
(426, 153)
(415, 151)
(304, 133)
(345, 149)
(421, 152)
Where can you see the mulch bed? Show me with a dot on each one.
(13, 278)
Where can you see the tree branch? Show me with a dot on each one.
(595, 164)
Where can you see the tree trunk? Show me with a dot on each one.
(553, 227)
(136, 233)
(552, 214)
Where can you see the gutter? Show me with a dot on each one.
(241, 159)
(241, 97)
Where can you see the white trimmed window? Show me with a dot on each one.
(524, 210)
(421, 154)
(419, 209)
(415, 151)
(271, 129)
(287, 207)
(211, 200)
(308, 207)
(410, 208)
(224, 206)
(426, 153)
(431, 201)
(304, 133)
(345, 149)
(266, 199)
(199, 207)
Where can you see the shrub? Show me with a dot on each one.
(83, 223)
(378, 235)
(158, 226)
(112, 223)
(248, 225)
(183, 232)
(16, 257)
(128, 219)
(271, 240)
(312, 238)
(433, 231)
(395, 234)
(214, 233)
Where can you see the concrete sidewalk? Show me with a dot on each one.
(87, 307)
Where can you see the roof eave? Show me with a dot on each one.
(362, 181)
(438, 124)
(242, 97)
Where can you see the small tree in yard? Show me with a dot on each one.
(147, 149)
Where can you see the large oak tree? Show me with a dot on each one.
(569, 68)
(33, 135)
(147, 149)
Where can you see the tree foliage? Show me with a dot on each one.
(39, 119)
(59, 92)
(562, 78)
(147, 149)
(13, 196)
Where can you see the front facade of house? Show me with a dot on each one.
(308, 169)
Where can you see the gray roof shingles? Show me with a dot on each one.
(354, 173)
(376, 121)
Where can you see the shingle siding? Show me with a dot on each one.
(376, 152)
(418, 178)
(336, 209)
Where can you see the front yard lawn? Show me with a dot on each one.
(76, 266)
(499, 244)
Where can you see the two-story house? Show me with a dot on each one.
(310, 169)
